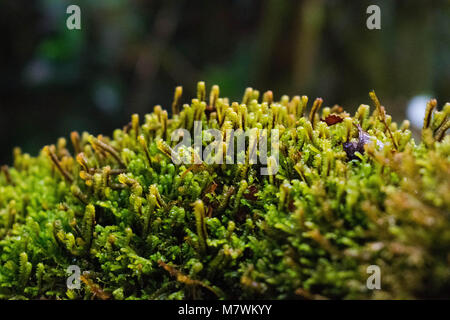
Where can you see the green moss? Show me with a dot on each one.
(350, 192)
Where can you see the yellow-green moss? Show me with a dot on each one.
(347, 195)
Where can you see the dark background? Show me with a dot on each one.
(130, 55)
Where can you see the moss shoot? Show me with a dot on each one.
(350, 192)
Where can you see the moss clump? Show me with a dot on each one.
(350, 192)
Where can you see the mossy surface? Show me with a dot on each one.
(351, 191)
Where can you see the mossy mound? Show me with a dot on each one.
(350, 192)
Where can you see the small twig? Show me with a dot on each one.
(109, 149)
(184, 278)
(5, 170)
(316, 106)
(440, 133)
(94, 288)
(52, 156)
(382, 116)
(75, 138)
(428, 113)
(177, 100)
(144, 146)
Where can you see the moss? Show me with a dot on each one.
(349, 192)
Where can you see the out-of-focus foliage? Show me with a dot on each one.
(131, 53)
(146, 228)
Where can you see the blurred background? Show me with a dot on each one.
(130, 55)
